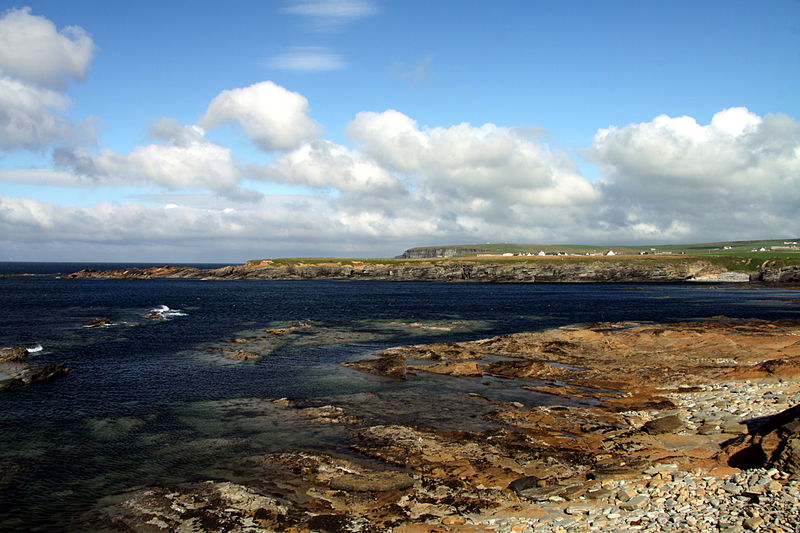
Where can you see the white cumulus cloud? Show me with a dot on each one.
(323, 164)
(737, 176)
(28, 117)
(272, 116)
(36, 62)
(183, 160)
(32, 49)
(486, 171)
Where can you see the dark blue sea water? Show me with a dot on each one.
(151, 402)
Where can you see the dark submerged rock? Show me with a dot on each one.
(241, 355)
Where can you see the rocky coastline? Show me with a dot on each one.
(682, 427)
(601, 270)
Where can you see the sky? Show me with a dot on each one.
(210, 131)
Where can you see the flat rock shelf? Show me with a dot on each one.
(690, 426)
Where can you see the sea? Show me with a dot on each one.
(150, 400)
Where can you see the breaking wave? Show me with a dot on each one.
(162, 311)
(37, 348)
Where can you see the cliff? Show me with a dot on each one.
(430, 253)
(596, 270)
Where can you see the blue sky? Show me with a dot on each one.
(363, 127)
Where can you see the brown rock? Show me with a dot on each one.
(787, 458)
(524, 369)
(781, 367)
(328, 414)
(393, 366)
(524, 483)
(372, 482)
(452, 368)
(16, 353)
(775, 443)
(241, 355)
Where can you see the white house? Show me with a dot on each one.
(611, 252)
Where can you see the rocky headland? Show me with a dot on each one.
(528, 270)
(682, 427)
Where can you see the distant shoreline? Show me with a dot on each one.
(560, 269)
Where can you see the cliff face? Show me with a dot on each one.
(600, 271)
(430, 253)
(773, 274)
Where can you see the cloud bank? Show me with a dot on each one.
(400, 184)
(740, 174)
(396, 183)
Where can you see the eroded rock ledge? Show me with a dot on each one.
(650, 424)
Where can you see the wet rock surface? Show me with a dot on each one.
(13, 353)
(98, 322)
(29, 375)
(241, 355)
(16, 371)
(645, 421)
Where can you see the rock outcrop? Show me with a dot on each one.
(31, 374)
(771, 273)
(772, 443)
(15, 353)
(600, 270)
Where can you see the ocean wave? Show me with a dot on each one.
(163, 311)
(37, 348)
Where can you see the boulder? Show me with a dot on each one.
(524, 483)
(665, 424)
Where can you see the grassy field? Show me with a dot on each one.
(728, 248)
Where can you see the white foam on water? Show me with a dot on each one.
(165, 312)
(37, 348)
